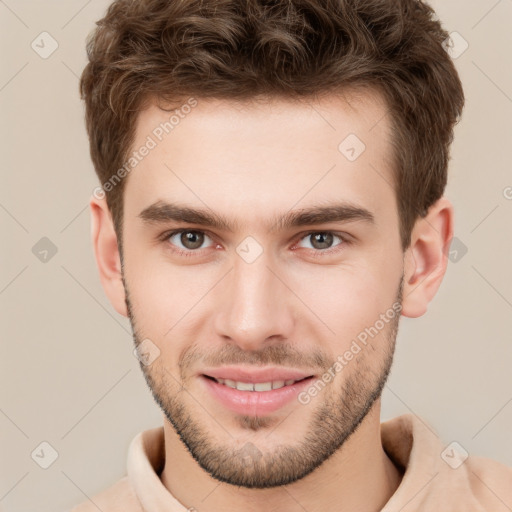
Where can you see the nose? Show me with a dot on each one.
(254, 306)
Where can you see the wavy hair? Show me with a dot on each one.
(143, 50)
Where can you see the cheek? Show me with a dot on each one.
(165, 299)
(348, 299)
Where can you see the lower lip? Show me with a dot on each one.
(256, 403)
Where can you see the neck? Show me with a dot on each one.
(359, 476)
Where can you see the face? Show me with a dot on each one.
(261, 250)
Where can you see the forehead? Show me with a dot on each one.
(263, 156)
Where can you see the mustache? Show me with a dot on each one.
(279, 355)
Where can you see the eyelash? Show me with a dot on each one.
(318, 253)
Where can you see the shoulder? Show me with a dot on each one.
(120, 497)
(491, 482)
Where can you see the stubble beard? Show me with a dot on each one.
(337, 416)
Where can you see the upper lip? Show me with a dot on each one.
(255, 375)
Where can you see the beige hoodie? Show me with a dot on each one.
(437, 478)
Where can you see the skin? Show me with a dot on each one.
(251, 162)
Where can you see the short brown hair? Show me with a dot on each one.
(242, 49)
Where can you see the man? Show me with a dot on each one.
(272, 201)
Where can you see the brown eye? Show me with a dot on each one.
(191, 239)
(322, 240)
(188, 239)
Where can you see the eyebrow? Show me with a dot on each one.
(162, 212)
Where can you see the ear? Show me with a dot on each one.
(106, 251)
(426, 258)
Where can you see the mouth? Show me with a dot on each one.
(255, 394)
(256, 386)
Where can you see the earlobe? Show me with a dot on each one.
(106, 251)
(426, 258)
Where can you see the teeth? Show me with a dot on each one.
(260, 386)
(263, 386)
(244, 386)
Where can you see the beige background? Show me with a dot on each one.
(67, 371)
